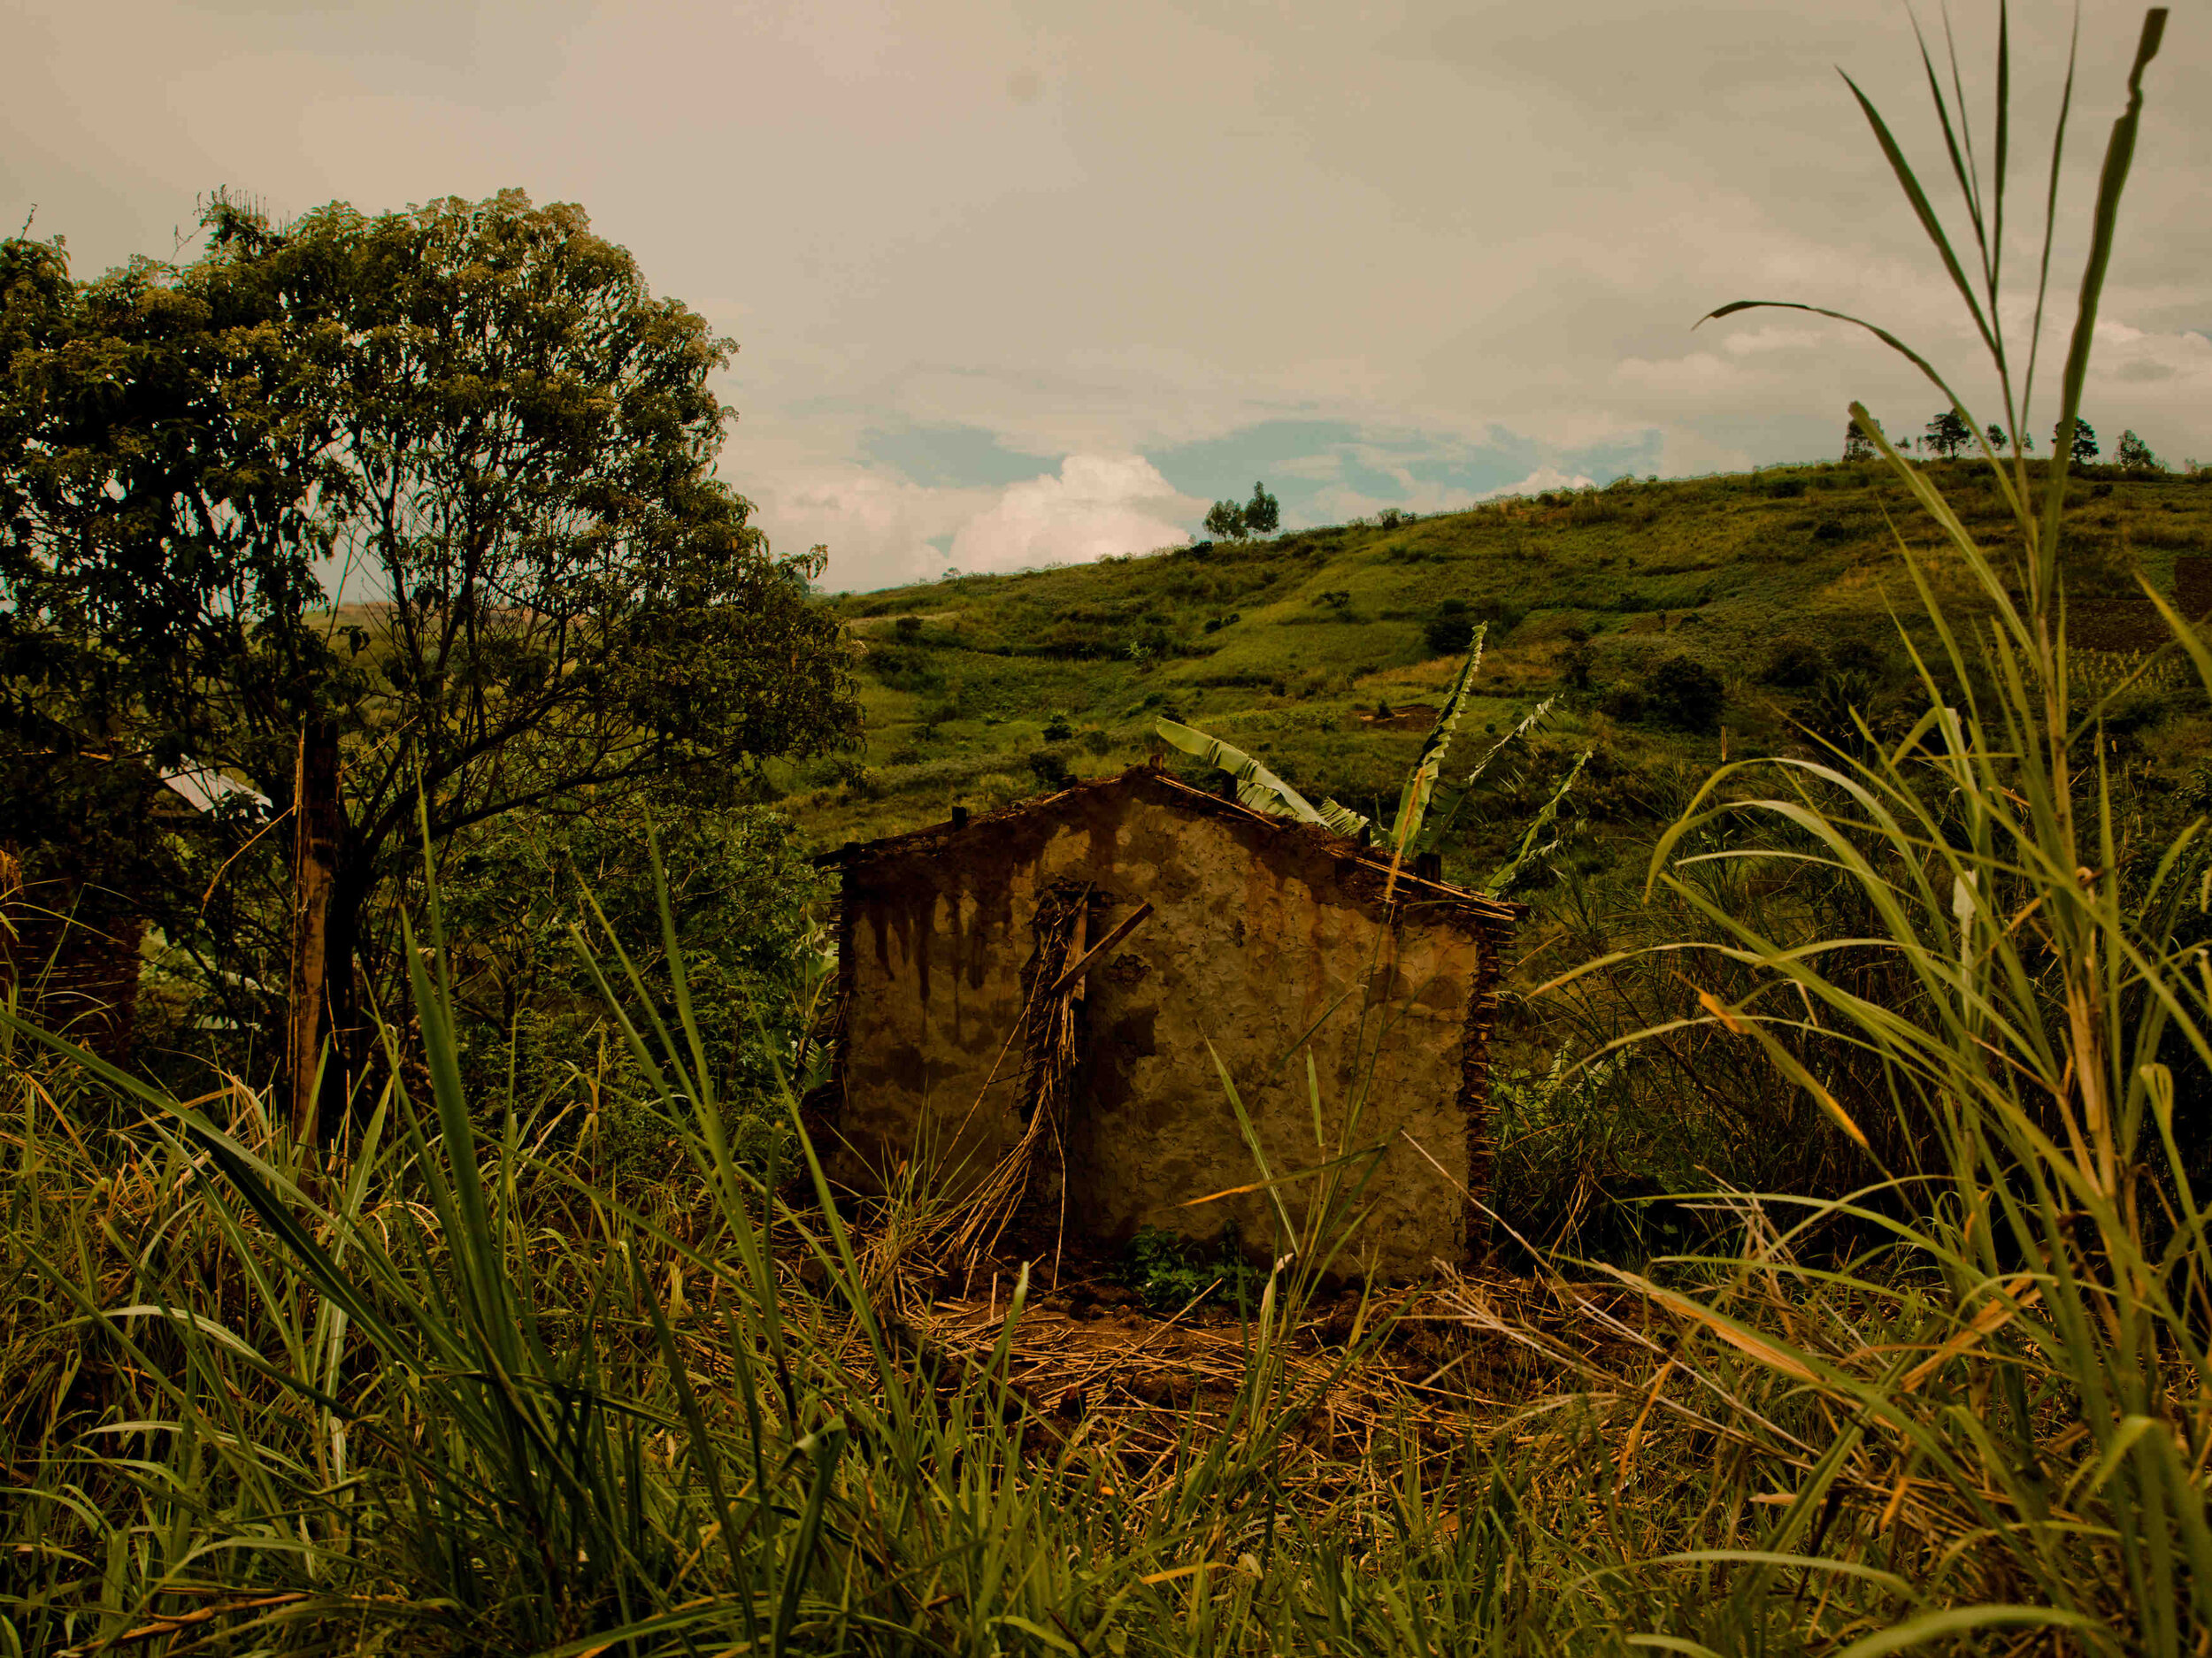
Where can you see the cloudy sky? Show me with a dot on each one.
(1026, 283)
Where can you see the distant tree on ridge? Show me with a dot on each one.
(1227, 521)
(2135, 455)
(1263, 514)
(1948, 435)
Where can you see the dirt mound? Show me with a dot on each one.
(1412, 717)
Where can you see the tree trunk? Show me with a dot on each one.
(352, 1037)
(317, 828)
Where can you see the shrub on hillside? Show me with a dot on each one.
(1050, 769)
(903, 669)
(1841, 701)
(1682, 691)
(1449, 635)
(1576, 662)
(1854, 654)
(1625, 702)
(1794, 665)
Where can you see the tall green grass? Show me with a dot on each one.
(453, 1398)
(453, 1395)
(2041, 1001)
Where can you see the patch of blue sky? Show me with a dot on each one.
(953, 457)
(1211, 466)
(1322, 469)
(1638, 457)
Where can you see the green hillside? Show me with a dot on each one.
(982, 689)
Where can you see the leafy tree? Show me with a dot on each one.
(1227, 521)
(1263, 514)
(1947, 433)
(2083, 448)
(2132, 453)
(1856, 445)
(475, 422)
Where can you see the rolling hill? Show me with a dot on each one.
(1674, 623)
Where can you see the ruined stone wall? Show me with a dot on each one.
(1261, 932)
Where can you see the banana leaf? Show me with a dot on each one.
(1256, 786)
(1343, 820)
(1529, 851)
(1420, 785)
(1451, 797)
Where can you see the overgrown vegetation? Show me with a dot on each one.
(1901, 1344)
(472, 427)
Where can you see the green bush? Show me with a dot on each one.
(1682, 691)
(530, 1017)
(1050, 769)
(1169, 1271)
(900, 668)
(1793, 664)
(1449, 634)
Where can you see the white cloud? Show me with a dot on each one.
(1542, 479)
(1097, 504)
(882, 528)
(988, 224)
(879, 527)
(1752, 341)
(1699, 373)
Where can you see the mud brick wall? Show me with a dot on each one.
(1262, 930)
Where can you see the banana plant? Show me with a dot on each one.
(1257, 786)
(1420, 785)
(1444, 810)
(1529, 852)
(1427, 805)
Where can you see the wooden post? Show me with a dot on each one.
(317, 826)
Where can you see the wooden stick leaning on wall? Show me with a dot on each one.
(1047, 1031)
